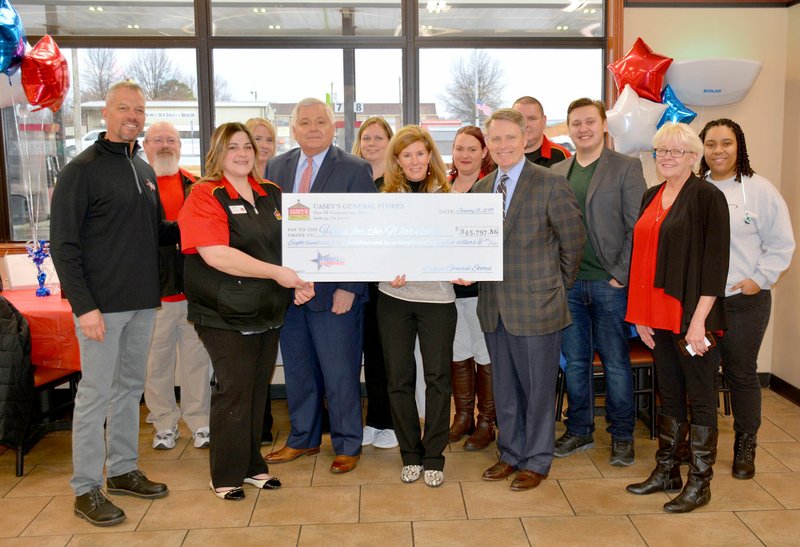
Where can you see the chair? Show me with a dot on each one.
(644, 383)
(46, 380)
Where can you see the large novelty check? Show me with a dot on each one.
(375, 237)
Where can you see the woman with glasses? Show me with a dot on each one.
(675, 299)
(761, 249)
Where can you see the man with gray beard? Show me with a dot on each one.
(174, 338)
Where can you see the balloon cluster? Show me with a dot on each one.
(643, 106)
(38, 251)
(45, 74)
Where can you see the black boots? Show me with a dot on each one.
(744, 456)
(697, 492)
(462, 378)
(484, 430)
(666, 477)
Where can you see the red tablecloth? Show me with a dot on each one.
(53, 341)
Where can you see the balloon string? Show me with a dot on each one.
(25, 169)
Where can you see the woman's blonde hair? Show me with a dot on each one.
(252, 123)
(374, 120)
(219, 148)
(394, 180)
(680, 133)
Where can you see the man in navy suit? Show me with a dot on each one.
(321, 340)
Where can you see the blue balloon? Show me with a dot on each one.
(12, 38)
(676, 111)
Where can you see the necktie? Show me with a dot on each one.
(501, 189)
(305, 179)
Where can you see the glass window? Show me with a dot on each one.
(511, 18)
(306, 18)
(242, 93)
(107, 17)
(39, 144)
(456, 83)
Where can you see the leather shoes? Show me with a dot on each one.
(94, 507)
(527, 479)
(498, 471)
(344, 464)
(272, 483)
(287, 454)
(134, 483)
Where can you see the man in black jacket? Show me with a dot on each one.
(105, 227)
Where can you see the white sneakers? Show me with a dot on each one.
(165, 439)
(201, 438)
(379, 438)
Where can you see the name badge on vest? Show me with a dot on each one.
(237, 209)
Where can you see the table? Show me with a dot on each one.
(52, 327)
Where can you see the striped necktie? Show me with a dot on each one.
(501, 189)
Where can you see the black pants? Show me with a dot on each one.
(680, 377)
(748, 317)
(379, 414)
(400, 323)
(243, 365)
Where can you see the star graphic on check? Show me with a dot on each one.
(321, 260)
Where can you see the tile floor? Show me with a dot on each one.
(582, 503)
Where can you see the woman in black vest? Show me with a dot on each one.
(238, 294)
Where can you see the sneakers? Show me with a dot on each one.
(96, 508)
(621, 452)
(134, 483)
(410, 473)
(568, 444)
(385, 439)
(369, 435)
(201, 438)
(165, 439)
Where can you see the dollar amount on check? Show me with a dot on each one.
(375, 237)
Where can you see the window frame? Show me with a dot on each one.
(409, 42)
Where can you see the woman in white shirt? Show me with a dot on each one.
(761, 249)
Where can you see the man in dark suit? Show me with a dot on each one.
(522, 316)
(609, 188)
(321, 340)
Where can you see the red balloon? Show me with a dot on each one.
(45, 75)
(643, 70)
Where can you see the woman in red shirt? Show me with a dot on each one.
(238, 294)
(677, 281)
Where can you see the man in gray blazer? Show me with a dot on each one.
(522, 316)
(321, 340)
(609, 188)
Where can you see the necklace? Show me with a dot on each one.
(660, 211)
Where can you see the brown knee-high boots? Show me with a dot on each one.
(462, 379)
(484, 430)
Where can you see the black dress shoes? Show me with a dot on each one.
(134, 483)
(94, 507)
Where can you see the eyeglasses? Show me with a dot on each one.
(661, 152)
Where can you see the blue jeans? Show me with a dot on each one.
(598, 323)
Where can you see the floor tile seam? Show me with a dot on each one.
(638, 531)
(766, 448)
(739, 518)
(22, 532)
(566, 497)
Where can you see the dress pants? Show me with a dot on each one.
(748, 317)
(400, 323)
(681, 378)
(105, 421)
(322, 358)
(524, 373)
(242, 366)
(175, 341)
(379, 413)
